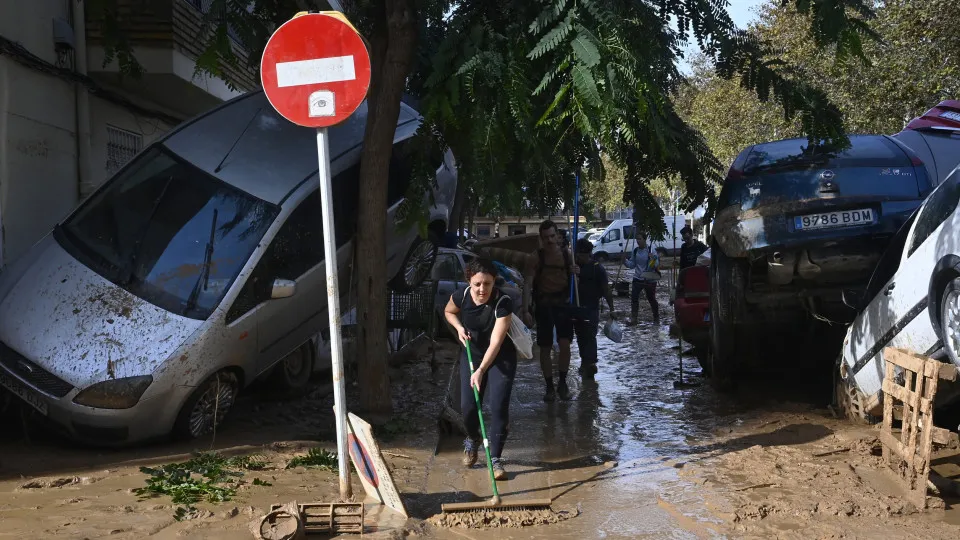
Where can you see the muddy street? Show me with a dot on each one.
(630, 456)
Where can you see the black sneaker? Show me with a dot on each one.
(550, 395)
(563, 392)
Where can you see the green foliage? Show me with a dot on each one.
(208, 476)
(875, 97)
(316, 458)
(527, 93)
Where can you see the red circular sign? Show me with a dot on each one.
(315, 70)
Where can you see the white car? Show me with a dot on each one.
(912, 301)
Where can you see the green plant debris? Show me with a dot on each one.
(259, 482)
(208, 477)
(318, 458)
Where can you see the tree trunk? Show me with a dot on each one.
(392, 46)
(470, 212)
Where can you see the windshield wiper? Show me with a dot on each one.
(204, 278)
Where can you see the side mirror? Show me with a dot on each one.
(851, 298)
(283, 288)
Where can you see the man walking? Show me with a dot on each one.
(593, 285)
(691, 248)
(646, 263)
(548, 270)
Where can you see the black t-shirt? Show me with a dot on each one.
(479, 320)
(592, 278)
(690, 251)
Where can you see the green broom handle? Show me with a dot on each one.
(483, 429)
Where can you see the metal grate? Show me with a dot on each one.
(33, 374)
(122, 146)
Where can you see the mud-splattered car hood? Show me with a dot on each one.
(79, 326)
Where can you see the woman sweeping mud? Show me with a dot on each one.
(481, 313)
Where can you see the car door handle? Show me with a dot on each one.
(890, 289)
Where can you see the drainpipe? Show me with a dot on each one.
(4, 170)
(84, 181)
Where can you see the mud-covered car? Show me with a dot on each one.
(195, 270)
(912, 302)
(798, 224)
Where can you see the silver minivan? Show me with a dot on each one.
(194, 271)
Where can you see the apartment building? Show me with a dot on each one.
(68, 120)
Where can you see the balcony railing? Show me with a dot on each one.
(203, 6)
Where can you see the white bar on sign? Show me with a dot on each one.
(316, 71)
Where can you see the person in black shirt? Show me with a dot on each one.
(593, 285)
(481, 314)
(691, 248)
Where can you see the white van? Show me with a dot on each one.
(618, 239)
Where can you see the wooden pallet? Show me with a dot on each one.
(909, 454)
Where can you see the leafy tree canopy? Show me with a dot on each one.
(527, 91)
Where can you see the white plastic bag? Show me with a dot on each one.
(613, 331)
(520, 334)
(522, 337)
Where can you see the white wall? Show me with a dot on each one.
(37, 148)
(104, 113)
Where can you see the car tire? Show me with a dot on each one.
(703, 358)
(208, 405)
(416, 266)
(727, 285)
(601, 257)
(291, 376)
(950, 320)
(850, 402)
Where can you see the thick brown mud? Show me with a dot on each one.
(631, 456)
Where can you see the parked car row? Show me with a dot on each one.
(867, 236)
(194, 271)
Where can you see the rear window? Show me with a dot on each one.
(864, 151)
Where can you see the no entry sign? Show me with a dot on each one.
(315, 72)
(315, 69)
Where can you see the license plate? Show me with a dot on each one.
(951, 115)
(830, 220)
(32, 398)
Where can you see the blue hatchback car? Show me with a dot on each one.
(797, 226)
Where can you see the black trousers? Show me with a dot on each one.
(587, 337)
(495, 390)
(650, 289)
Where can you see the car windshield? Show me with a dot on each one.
(168, 233)
(797, 154)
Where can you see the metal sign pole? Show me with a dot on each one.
(333, 310)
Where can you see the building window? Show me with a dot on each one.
(514, 230)
(483, 231)
(122, 146)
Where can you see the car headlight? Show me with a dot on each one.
(114, 393)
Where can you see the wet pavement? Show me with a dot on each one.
(631, 456)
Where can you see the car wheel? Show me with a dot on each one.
(726, 290)
(209, 404)
(416, 266)
(850, 402)
(291, 376)
(950, 320)
(601, 257)
(703, 358)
